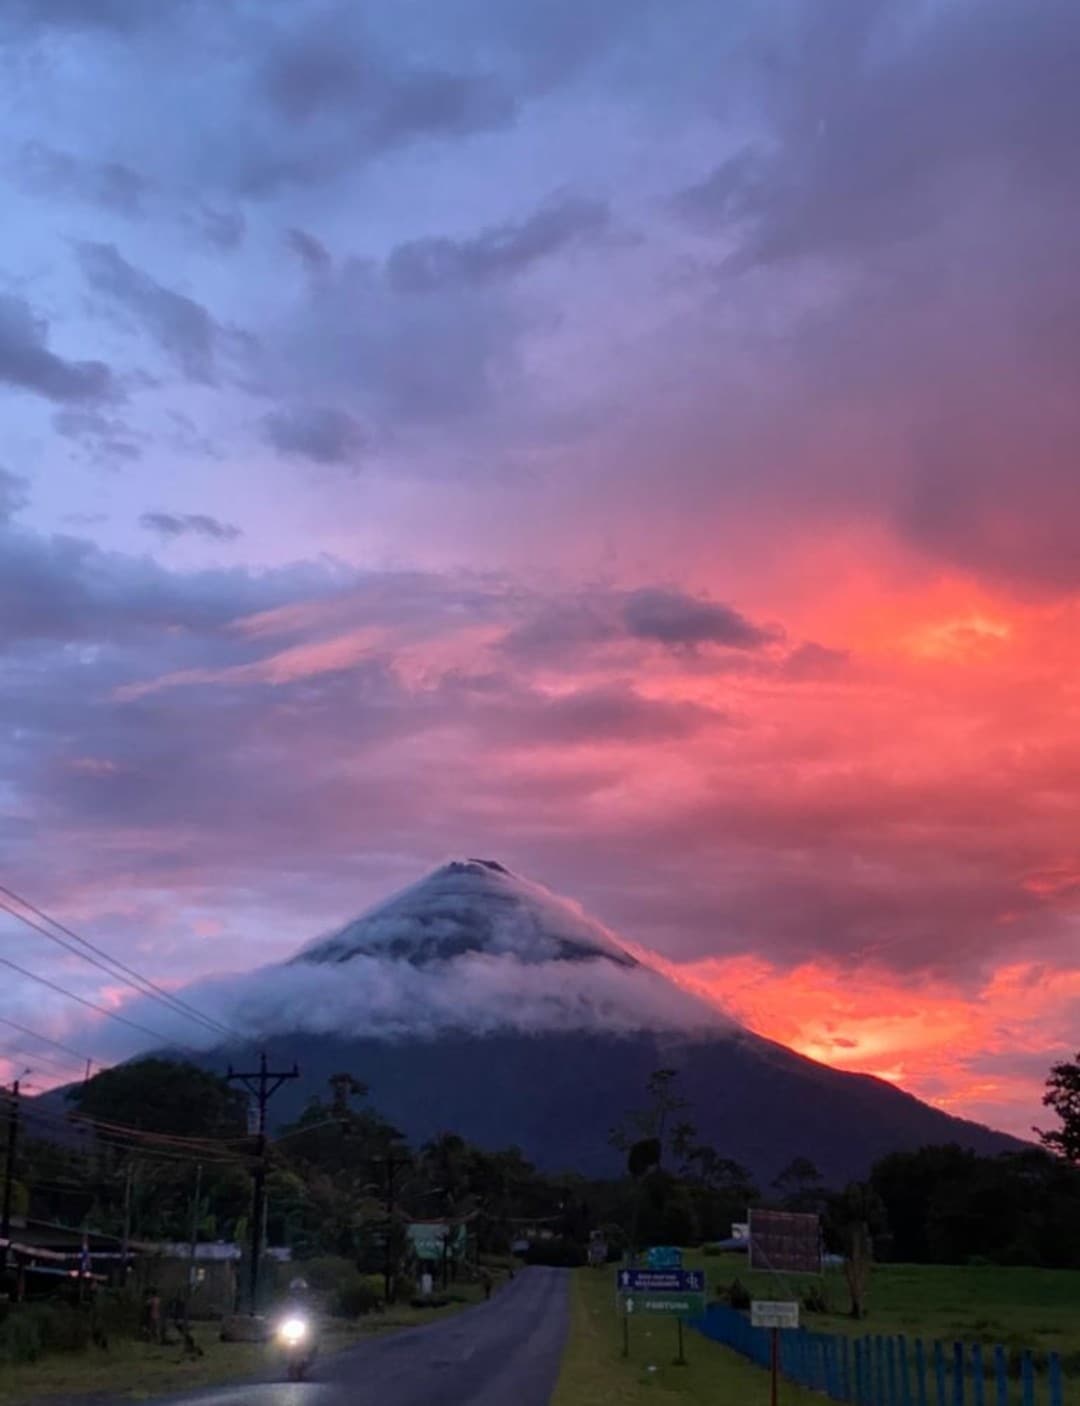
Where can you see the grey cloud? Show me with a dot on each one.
(812, 661)
(880, 121)
(404, 363)
(311, 252)
(13, 494)
(560, 628)
(114, 15)
(104, 436)
(313, 74)
(111, 184)
(612, 713)
(730, 191)
(673, 618)
(224, 229)
(27, 363)
(64, 588)
(172, 525)
(422, 265)
(182, 327)
(322, 433)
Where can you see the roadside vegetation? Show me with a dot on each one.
(595, 1373)
(953, 1245)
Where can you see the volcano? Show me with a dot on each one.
(480, 1002)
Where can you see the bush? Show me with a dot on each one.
(117, 1314)
(738, 1295)
(815, 1299)
(28, 1330)
(355, 1299)
(327, 1272)
(20, 1338)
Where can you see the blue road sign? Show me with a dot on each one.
(657, 1281)
(664, 1257)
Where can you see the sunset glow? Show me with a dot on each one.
(641, 452)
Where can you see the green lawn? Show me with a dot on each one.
(136, 1371)
(1036, 1308)
(594, 1372)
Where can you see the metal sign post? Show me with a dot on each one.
(776, 1315)
(661, 1293)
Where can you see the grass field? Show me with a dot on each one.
(1036, 1308)
(594, 1372)
(137, 1371)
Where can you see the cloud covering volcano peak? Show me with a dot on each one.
(469, 949)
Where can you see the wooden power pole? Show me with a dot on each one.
(262, 1084)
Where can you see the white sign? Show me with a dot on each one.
(772, 1313)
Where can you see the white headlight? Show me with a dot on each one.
(292, 1331)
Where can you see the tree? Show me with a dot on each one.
(1063, 1096)
(853, 1217)
(163, 1096)
(642, 1132)
(800, 1185)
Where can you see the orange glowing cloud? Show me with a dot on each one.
(951, 1047)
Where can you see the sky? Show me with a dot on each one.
(634, 440)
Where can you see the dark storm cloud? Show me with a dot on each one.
(172, 525)
(670, 617)
(311, 252)
(26, 362)
(183, 328)
(322, 433)
(111, 184)
(422, 265)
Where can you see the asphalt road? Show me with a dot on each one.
(502, 1353)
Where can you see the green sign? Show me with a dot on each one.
(665, 1303)
(434, 1240)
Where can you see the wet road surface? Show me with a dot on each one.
(502, 1353)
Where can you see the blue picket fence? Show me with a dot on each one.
(892, 1371)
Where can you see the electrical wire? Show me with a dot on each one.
(46, 1039)
(96, 1141)
(115, 968)
(90, 1005)
(40, 1059)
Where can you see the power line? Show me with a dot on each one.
(114, 1142)
(47, 1039)
(39, 1059)
(90, 1005)
(115, 968)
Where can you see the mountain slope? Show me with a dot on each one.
(480, 1002)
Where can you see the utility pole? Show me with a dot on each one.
(125, 1235)
(9, 1175)
(194, 1241)
(393, 1165)
(263, 1084)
